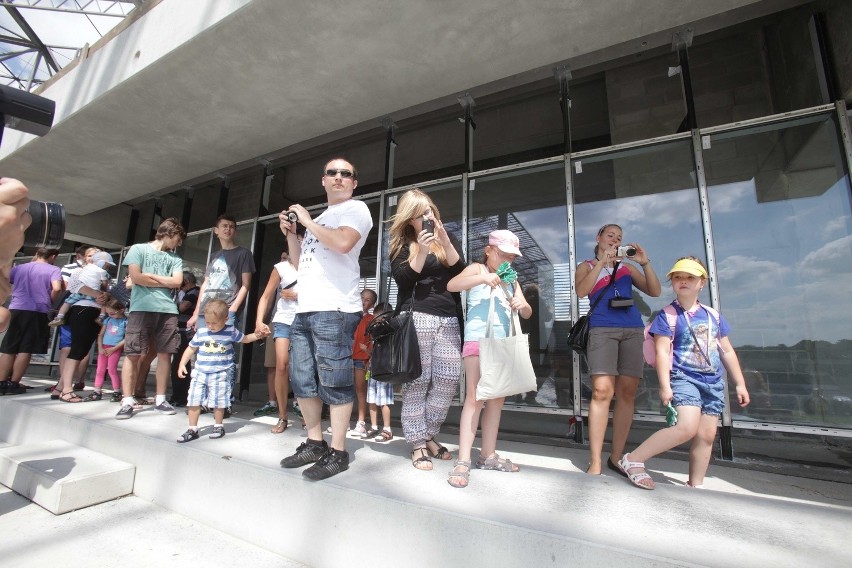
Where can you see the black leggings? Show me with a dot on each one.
(84, 330)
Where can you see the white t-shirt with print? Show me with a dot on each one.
(328, 280)
(285, 310)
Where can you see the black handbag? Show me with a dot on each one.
(578, 337)
(395, 358)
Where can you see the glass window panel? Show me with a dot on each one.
(643, 100)
(531, 203)
(652, 194)
(782, 225)
(194, 252)
(754, 72)
(447, 198)
(205, 206)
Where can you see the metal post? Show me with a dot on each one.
(562, 74)
(224, 190)
(725, 433)
(822, 59)
(390, 150)
(467, 102)
(845, 133)
(186, 214)
(681, 40)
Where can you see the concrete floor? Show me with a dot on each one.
(127, 532)
(549, 514)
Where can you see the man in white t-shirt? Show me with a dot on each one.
(329, 309)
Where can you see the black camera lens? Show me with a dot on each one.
(292, 217)
(48, 227)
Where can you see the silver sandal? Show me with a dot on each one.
(459, 475)
(495, 463)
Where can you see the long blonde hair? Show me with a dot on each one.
(412, 204)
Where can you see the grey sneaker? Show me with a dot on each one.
(331, 463)
(165, 408)
(188, 436)
(306, 453)
(218, 432)
(124, 412)
(267, 410)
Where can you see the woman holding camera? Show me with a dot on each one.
(424, 257)
(614, 353)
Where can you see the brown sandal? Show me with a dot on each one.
(280, 427)
(423, 463)
(70, 396)
(441, 453)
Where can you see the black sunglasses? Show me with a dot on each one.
(343, 173)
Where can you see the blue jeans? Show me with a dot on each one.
(233, 320)
(321, 356)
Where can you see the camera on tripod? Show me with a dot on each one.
(33, 114)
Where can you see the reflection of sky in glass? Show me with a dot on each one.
(783, 265)
(547, 228)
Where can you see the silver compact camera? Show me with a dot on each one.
(292, 217)
(626, 250)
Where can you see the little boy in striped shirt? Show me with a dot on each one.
(214, 346)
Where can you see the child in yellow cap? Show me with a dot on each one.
(689, 365)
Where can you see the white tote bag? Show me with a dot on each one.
(504, 364)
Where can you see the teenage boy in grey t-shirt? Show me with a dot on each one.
(227, 278)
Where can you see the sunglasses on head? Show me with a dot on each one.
(343, 173)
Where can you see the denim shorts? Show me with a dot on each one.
(64, 336)
(280, 331)
(321, 356)
(359, 363)
(710, 397)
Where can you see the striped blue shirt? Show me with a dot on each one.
(215, 350)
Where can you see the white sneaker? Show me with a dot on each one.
(360, 429)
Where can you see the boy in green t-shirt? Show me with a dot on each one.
(152, 322)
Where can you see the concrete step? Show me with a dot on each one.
(383, 511)
(63, 477)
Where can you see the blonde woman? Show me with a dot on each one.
(423, 260)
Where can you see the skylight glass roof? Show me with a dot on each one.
(40, 37)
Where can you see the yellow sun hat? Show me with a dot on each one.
(689, 266)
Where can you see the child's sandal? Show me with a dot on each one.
(496, 463)
(636, 478)
(459, 479)
(94, 395)
(384, 436)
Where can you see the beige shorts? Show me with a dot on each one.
(616, 351)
